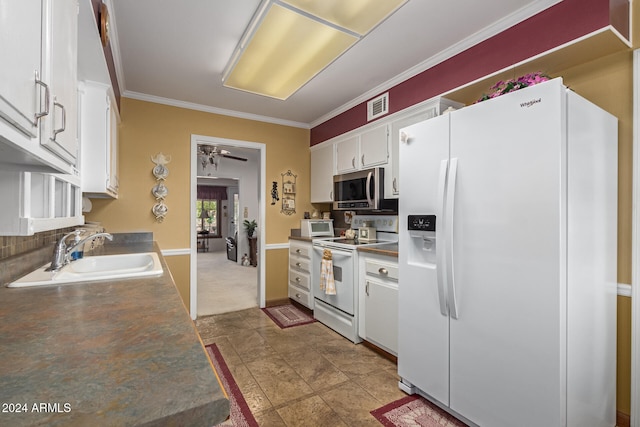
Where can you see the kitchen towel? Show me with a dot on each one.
(327, 283)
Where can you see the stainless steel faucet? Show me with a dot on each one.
(62, 252)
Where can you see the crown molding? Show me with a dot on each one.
(213, 110)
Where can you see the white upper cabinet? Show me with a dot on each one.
(36, 202)
(21, 47)
(322, 163)
(392, 182)
(374, 147)
(426, 111)
(99, 140)
(364, 150)
(61, 65)
(347, 155)
(38, 38)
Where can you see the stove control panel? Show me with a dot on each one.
(386, 223)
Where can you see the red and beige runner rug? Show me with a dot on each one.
(288, 315)
(414, 411)
(241, 415)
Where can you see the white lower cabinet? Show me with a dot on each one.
(378, 300)
(35, 202)
(300, 272)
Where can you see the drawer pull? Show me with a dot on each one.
(298, 279)
(298, 296)
(383, 271)
(298, 251)
(298, 264)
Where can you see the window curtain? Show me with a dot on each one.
(212, 192)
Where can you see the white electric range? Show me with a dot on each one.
(340, 311)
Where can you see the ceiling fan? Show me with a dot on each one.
(209, 155)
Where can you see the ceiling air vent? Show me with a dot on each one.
(378, 107)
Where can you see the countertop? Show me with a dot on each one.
(303, 239)
(121, 352)
(390, 249)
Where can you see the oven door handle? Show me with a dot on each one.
(334, 251)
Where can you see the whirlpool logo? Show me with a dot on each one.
(530, 103)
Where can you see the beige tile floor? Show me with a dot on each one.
(302, 376)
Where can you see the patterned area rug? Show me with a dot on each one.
(241, 415)
(414, 411)
(288, 315)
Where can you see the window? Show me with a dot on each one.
(208, 203)
(208, 217)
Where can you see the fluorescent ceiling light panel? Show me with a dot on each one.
(359, 16)
(289, 42)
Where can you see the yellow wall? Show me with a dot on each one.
(147, 129)
(277, 264)
(179, 268)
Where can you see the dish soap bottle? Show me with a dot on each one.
(78, 252)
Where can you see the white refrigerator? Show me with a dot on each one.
(507, 257)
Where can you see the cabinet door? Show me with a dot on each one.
(60, 129)
(381, 314)
(112, 146)
(99, 141)
(322, 175)
(21, 47)
(391, 175)
(347, 155)
(374, 147)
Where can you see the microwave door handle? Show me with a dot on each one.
(368, 185)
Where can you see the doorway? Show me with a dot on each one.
(217, 283)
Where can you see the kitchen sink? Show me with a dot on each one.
(92, 268)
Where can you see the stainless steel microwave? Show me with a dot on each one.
(362, 190)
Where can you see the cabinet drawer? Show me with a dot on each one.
(299, 279)
(380, 269)
(301, 296)
(300, 250)
(297, 263)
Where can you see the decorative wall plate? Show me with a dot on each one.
(160, 190)
(160, 172)
(160, 210)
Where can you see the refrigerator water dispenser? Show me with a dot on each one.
(422, 233)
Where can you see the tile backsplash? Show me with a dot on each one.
(21, 254)
(16, 245)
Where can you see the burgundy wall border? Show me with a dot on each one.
(553, 27)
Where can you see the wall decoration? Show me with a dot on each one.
(288, 193)
(289, 188)
(274, 192)
(160, 190)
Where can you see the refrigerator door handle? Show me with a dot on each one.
(440, 246)
(451, 192)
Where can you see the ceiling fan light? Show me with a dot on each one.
(286, 51)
